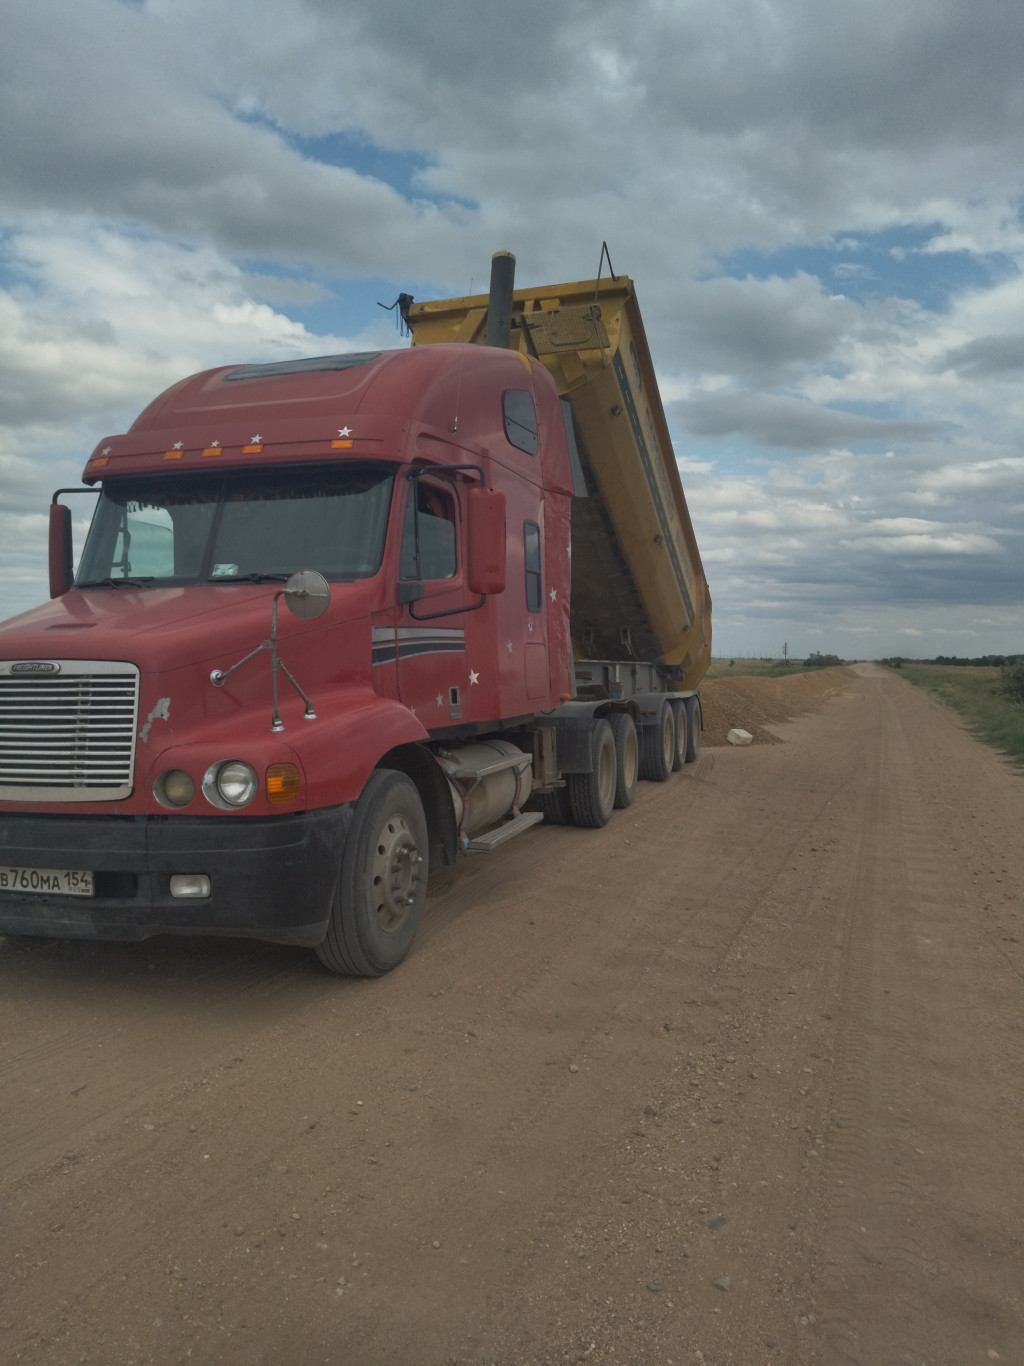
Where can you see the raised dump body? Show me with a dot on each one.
(638, 585)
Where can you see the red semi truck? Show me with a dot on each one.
(495, 613)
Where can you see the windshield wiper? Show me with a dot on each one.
(111, 582)
(257, 577)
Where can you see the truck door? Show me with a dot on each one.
(434, 674)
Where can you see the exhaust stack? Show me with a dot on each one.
(499, 301)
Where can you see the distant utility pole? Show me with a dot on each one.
(785, 652)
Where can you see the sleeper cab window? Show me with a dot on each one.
(520, 420)
(428, 537)
(531, 558)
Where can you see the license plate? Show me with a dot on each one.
(62, 881)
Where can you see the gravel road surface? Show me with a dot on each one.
(737, 1080)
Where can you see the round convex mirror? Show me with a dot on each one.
(308, 594)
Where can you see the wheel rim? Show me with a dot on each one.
(396, 872)
(630, 759)
(668, 735)
(606, 774)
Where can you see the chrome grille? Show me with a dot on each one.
(69, 735)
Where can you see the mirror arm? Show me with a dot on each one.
(448, 612)
(219, 677)
(302, 588)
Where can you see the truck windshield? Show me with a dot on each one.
(238, 526)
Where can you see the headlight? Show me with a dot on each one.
(231, 783)
(174, 788)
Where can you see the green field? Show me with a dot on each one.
(758, 668)
(975, 692)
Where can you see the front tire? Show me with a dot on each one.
(383, 883)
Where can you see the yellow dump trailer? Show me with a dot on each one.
(638, 586)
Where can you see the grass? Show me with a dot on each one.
(757, 668)
(975, 693)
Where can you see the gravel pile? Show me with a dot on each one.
(754, 703)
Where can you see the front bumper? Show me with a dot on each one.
(271, 878)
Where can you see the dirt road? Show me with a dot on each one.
(737, 1080)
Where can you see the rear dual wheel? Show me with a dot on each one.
(627, 757)
(694, 725)
(555, 805)
(592, 795)
(682, 735)
(658, 745)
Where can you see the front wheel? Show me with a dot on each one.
(383, 882)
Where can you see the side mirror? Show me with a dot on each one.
(485, 541)
(60, 550)
(307, 594)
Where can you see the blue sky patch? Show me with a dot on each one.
(868, 266)
(346, 306)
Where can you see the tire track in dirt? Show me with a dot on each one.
(605, 1081)
(895, 1155)
(117, 1037)
(617, 984)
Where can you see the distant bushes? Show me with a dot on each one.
(816, 660)
(1011, 675)
(979, 661)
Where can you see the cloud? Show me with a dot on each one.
(93, 324)
(97, 317)
(112, 120)
(1000, 357)
(760, 328)
(792, 423)
(184, 183)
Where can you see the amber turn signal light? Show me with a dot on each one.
(284, 783)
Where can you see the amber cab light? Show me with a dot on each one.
(284, 783)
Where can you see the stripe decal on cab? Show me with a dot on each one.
(403, 642)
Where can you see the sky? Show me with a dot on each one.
(820, 205)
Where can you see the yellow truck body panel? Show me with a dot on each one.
(638, 585)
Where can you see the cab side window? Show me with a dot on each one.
(531, 558)
(428, 537)
(520, 420)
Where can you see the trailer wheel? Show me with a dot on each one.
(682, 735)
(657, 744)
(592, 795)
(627, 757)
(694, 725)
(383, 882)
(555, 805)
